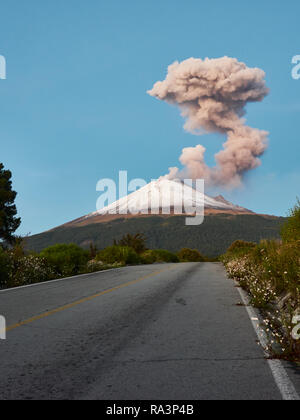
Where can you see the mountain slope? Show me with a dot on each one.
(224, 222)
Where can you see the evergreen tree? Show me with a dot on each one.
(9, 223)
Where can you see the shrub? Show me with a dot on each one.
(269, 263)
(118, 254)
(280, 263)
(66, 260)
(270, 272)
(241, 247)
(162, 255)
(149, 257)
(18, 269)
(190, 255)
(5, 267)
(31, 269)
(94, 266)
(291, 229)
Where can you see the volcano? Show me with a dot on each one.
(150, 200)
(164, 228)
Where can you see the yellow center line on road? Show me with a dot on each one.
(79, 302)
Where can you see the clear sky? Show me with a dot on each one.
(74, 107)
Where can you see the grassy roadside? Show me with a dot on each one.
(270, 273)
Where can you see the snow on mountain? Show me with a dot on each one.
(158, 197)
(221, 199)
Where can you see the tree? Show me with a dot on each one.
(137, 242)
(9, 223)
(93, 250)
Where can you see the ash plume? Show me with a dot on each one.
(212, 95)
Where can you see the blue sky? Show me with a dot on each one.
(74, 107)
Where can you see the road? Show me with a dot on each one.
(169, 331)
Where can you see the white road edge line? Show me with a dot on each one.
(282, 380)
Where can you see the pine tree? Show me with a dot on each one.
(9, 223)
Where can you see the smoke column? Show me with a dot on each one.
(212, 95)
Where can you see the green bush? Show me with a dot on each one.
(94, 266)
(18, 269)
(119, 254)
(31, 269)
(270, 272)
(190, 255)
(271, 261)
(280, 263)
(161, 255)
(149, 257)
(291, 229)
(66, 260)
(239, 248)
(5, 267)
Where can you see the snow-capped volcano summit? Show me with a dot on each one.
(162, 197)
(166, 197)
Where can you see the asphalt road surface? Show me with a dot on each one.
(166, 332)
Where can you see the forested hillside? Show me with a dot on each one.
(211, 239)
